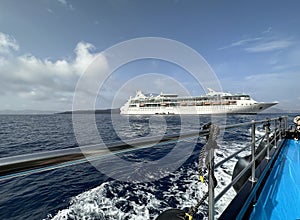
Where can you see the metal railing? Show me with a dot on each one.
(20, 165)
(279, 128)
(32, 163)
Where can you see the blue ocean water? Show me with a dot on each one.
(82, 192)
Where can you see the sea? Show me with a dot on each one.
(101, 189)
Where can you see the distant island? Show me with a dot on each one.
(272, 110)
(97, 111)
(40, 112)
(26, 112)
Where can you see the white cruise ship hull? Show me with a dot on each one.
(212, 103)
(197, 110)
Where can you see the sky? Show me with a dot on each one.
(46, 46)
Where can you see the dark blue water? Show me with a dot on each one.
(81, 191)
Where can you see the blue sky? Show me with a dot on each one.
(252, 46)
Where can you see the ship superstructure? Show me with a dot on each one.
(211, 103)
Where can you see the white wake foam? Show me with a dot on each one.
(182, 189)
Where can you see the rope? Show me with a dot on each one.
(211, 144)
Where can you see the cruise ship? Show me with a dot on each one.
(211, 103)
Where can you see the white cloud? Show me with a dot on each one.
(268, 87)
(271, 45)
(241, 42)
(7, 43)
(266, 41)
(66, 4)
(42, 82)
(83, 55)
(50, 10)
(269, 30)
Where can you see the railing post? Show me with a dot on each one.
(266, 126)
(252, 178)
(280, 127)
(268, 143)
(211, 182)
(275, 133)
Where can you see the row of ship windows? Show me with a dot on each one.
(182, 104)
(193, 100)
(205, 108)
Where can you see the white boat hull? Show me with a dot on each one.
(197, 110)
(212, 103)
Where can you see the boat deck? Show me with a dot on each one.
(280, 197)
